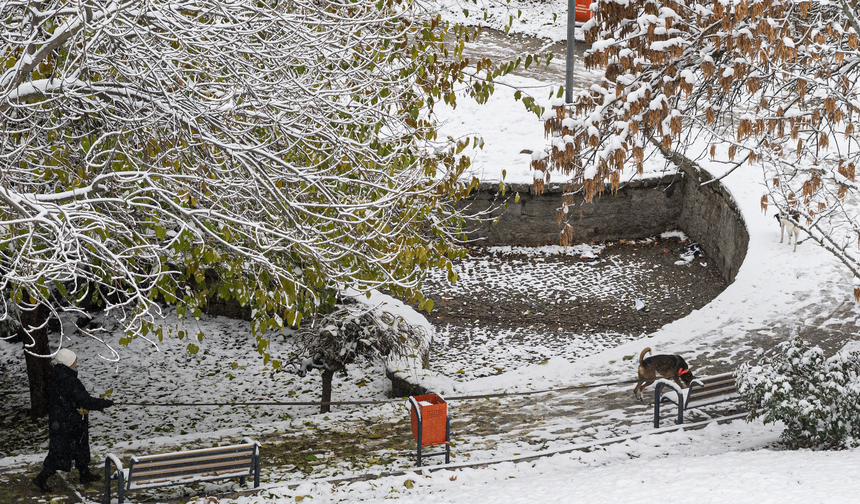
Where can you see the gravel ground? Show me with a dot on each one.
(514, 307)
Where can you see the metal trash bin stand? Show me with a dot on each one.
(431, 425)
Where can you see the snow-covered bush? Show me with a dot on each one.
(355, 331)
(818, 399)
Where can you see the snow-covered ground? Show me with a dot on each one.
(776, 292)
(720, 463)
(545, 19)
(514, 306)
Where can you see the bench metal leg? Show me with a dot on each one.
(447, 440)
(120, 488)
(113, 460)
(657, 399)
(257, 467)
(106, 499)
(420, 432)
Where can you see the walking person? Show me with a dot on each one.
(69, 405)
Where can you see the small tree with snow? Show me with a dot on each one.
(817, 399)
(354, 331)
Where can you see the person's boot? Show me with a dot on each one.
(41, 481)
(88, 477)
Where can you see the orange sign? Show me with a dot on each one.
(583, 13)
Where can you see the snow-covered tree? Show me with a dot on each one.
(355, 331)
(767, 83)
(287, 149)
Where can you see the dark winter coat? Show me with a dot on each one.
(68, 405)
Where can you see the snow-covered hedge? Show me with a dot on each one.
(818, 399)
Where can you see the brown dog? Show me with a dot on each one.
(668, 366)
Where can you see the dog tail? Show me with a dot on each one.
(642, 355)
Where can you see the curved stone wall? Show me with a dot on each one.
(706, 213)
(711, 217)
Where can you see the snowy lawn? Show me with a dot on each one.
(720, 463)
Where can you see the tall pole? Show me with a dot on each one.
(571, 35)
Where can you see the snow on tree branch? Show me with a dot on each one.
(281, 147)
(771, 83)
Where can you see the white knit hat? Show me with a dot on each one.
(66, 357)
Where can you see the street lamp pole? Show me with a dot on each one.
(571, 33)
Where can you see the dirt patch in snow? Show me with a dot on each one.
(511, 309)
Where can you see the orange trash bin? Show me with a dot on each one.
(430, 424)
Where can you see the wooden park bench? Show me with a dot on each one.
(179, 468)
(702, 392)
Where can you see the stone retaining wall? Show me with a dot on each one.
(711, 217)
(643, 208)
(638, 210)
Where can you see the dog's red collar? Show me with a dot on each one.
(682, 371)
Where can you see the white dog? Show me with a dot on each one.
(789, 223)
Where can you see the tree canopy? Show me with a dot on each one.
(770, 83)
(287, 148)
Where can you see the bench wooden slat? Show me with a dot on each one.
(160, 472)
(196, 453)
(177, 468)
(712, 387)
(172, 461)
(721, 388)
(723, 376)
(710, 394)
(713, 383)
(179, 478)
(173, 482)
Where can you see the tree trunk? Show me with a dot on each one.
(327, 376)
(38, 365)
